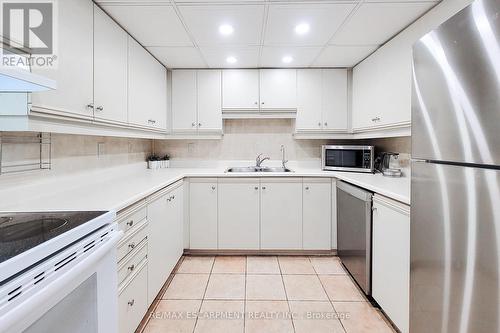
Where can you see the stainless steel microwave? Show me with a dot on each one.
(348, 158)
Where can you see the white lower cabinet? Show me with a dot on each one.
(391, 259)
(238, 203)
(165, 244)
(281, 213)
(317, 214)
(132, 303)
(203, 213)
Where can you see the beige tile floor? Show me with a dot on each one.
(264, 294)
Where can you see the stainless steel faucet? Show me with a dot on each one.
(259, 160)
(283, 152)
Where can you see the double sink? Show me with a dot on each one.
(258, 169)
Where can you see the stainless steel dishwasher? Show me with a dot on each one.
(354, 232)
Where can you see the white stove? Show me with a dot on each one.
(58, 272)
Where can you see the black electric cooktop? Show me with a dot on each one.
(20, 232)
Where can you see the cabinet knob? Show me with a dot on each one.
(256, 103)
(307, 187)
(319, 124)
(376, 119)
(263, 187)
(151, 121)
(374, 209)
(262, 103)
(131, 267)
(90, 106)
(199, 124)
(256, 187)
(100, 108)
(131, 302)
(213, 188)
(193, 124)
(131, 245)
(130, 223)
(173, 197)
(326, 124)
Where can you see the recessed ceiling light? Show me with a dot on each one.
(302, 28)
(226, 29)
(231, 60)
(287, 59)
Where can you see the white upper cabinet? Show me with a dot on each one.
(110, 69)
(196, 101)
(310, 96)
(278, 89)
(335, 111)
(74, 68)
(147, 87)
(240, 89)
(184, 102)
(322, 100)
(209, 101)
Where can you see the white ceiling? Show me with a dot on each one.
(184, 33)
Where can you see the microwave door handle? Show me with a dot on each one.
(29, 311)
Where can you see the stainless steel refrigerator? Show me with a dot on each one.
(455, 194)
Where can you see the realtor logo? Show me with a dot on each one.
(28, 27)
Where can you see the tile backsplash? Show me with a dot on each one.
(245, 138)
(72, 153)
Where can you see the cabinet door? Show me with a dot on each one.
(147, 88)
(335, 100)
(209, 101)
(110, 69)
(203, 213)
(317, 214)
(240, 89)
(391, 259)
(133, 303)
(281, 214)
(239, 213)
(309, 96)
(278, 89)
(158, 224)
(184, 101)
(74, 69)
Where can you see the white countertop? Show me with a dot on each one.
(116, 188)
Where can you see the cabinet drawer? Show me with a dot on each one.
(131, 263)
(132, 302)
(131, 241)
(130, 218)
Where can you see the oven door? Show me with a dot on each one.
(352, 158)
(80, 297)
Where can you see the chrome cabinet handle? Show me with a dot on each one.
(193, 124)
(307, 187)
(90, 106)
(256, 187)
(256, 103)
(326, 124)
(213, 188)
(263, 187)
(199, 124)
(376, 119)
(262, 103)
(130, 223)
(131, 302)
(131, 245)
(131, 267)
(173, 197)
(100, 108)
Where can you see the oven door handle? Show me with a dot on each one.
(20, 317)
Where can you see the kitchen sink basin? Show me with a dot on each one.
(258, 169)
